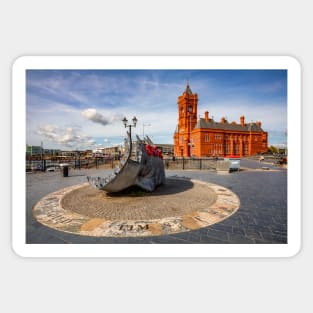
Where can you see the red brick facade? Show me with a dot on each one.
(204, 137)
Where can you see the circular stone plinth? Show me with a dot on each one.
(178, 206)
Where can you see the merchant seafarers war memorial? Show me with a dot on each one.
(138, 200)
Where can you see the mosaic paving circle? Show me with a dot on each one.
(180, 205)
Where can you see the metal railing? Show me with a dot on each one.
(74, 163)
(191, 163)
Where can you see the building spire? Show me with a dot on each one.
(188, 90)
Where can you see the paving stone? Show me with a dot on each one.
(46, 237)
(194, 236)
(278, 227)
(246, 219)
(167, 240)
(258, 228)
(239, 239)
(212, 240)
(222, 227)
(279, 233)
(274, 238)
(254, 235)
(221, 235)
(239, 230)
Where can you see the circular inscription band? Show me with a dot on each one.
(178, 206)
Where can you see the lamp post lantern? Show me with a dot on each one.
(125, 122)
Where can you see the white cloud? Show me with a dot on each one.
(96, 117)
(69, 137)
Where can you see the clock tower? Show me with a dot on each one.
(187, 119)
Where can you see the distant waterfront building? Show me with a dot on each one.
(204, 137)
(34, 150)
(52, 152)
(39, 150)
(167, 149)
(113, 151)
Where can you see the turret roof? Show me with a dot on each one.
(188, 90)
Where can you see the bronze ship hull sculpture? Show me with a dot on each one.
(144, 168)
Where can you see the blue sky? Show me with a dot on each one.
(80, 109)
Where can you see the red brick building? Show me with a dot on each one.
(202, 137)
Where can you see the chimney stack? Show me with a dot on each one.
(206, 115)
(258, 123)
(223, 120)
(242, 120)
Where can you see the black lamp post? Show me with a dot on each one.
(125, 121)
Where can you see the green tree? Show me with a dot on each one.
(272, 149)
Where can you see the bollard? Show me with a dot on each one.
(64, 167)
(65, 171)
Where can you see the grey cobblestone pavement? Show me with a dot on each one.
(261, 218)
